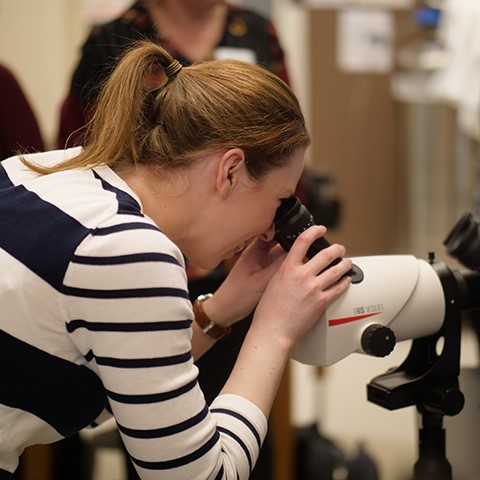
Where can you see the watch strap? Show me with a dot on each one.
(208, 327)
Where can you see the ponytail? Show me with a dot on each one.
(121, 116)
(120, 120)
(154, 111)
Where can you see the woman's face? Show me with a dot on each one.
(249, 212)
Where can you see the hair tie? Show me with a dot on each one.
(173, 68)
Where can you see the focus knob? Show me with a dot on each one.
(444, 400)
(378, 340)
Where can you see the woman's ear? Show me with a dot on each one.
(231, 168)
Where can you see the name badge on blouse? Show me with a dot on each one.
(231, 53)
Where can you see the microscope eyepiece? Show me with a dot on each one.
(291, 219)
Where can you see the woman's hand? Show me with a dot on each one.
(295, 298)
(246, 282)
(300, 290)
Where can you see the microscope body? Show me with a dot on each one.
(399, 297)
(394, 298)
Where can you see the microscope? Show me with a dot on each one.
(394, 298)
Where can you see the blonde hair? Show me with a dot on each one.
(153, 111)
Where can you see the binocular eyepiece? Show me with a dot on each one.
(291, 219)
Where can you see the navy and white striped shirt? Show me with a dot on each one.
(94, 309)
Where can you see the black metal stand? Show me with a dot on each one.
(432, 462)
(428, 379)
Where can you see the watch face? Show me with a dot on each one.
(202, 298)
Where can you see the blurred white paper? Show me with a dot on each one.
(458, 83)
(364, 40)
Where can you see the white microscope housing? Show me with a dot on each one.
(400, 297)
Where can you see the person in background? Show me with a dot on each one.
(19, 130)
(192, 31)
(95, 307)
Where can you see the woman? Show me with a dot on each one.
(190, 162)
(190, 30)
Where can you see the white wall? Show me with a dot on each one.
(291, 21)
(38, 41)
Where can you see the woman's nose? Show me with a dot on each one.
(269, 234)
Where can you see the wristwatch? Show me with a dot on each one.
(208, 327)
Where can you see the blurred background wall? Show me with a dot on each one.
(39, 42)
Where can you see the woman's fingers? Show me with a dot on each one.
(326, 258)
(323, 258)
(330, 274)
(300, 247)
(338, 287)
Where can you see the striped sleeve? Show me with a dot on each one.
(128, 312)
(243, 427)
